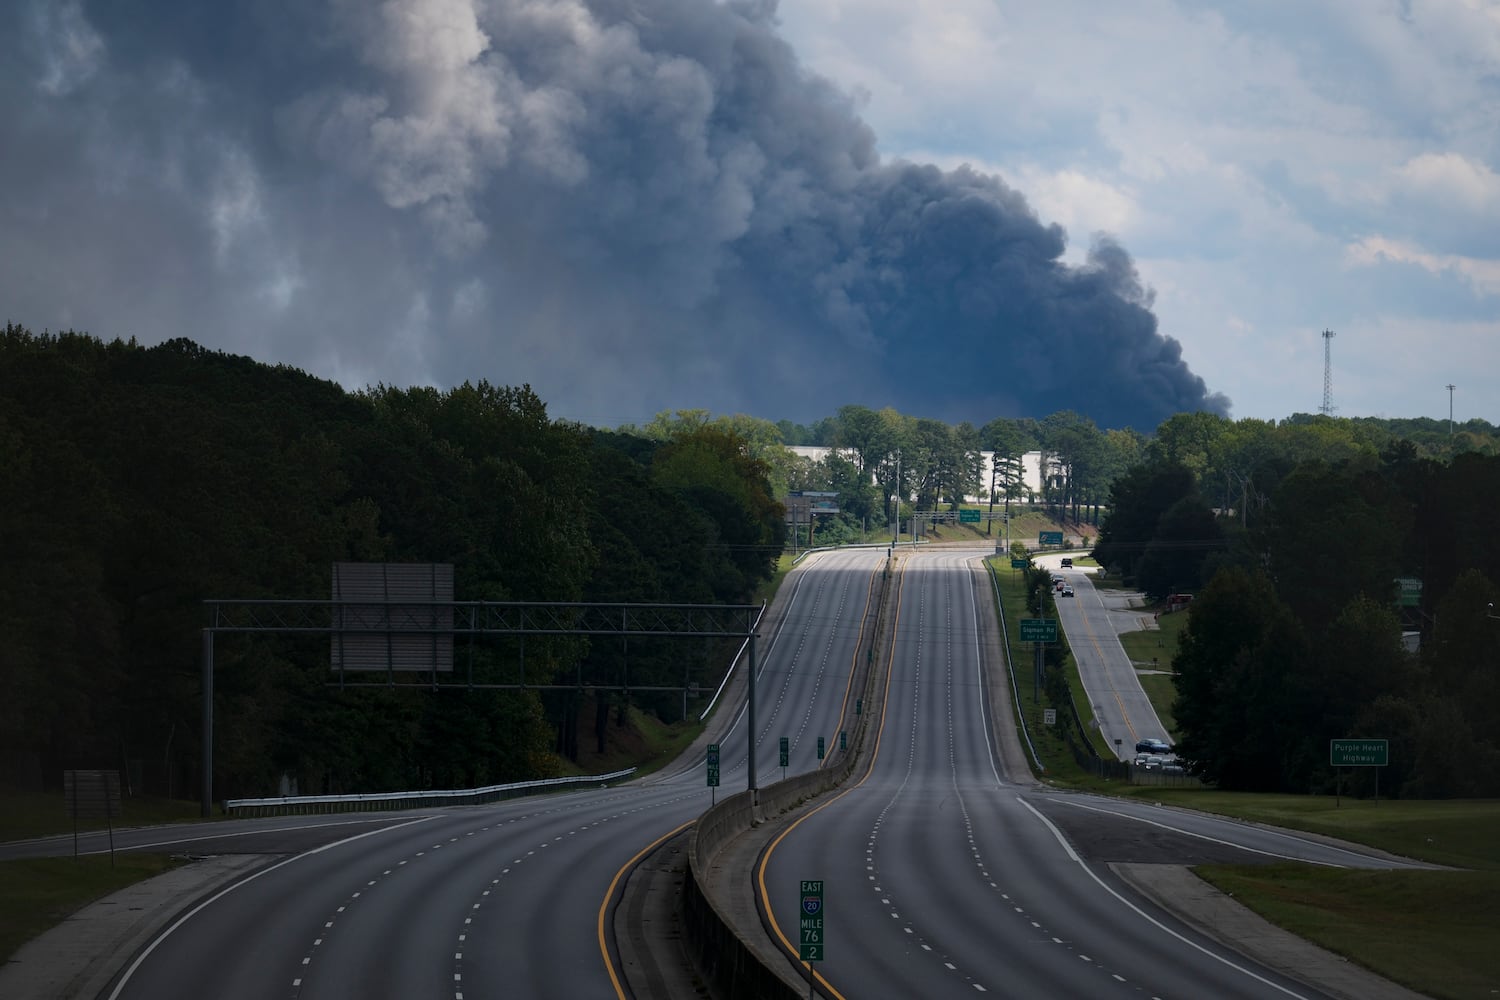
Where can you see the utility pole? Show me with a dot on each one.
(1451, 387)
(896, 521)
(989, 525)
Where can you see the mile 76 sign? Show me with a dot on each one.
(811, 916)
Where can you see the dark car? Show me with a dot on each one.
(1067, 563)
(1153, 746)
(1067, 591)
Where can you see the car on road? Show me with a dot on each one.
(1067, 563)
(1153, 746)
(1067, 591)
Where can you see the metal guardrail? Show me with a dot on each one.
(296, 805)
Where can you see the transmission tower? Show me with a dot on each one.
(1327, 408)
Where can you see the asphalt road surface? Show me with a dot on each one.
(1089, 619)
(946, 876)
(505, 900)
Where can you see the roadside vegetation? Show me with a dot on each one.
(38, 893)
(1151, 652)
(1433, 931)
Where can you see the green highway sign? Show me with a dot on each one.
(820, 748)
(843, 740)
(1408, 591)
(859, 705)
(1038, 629)
(786, 751)
(713, 765)
(810, 916)
(1018, 563)
(1358, 753)
(1049, 537)
(966, 516)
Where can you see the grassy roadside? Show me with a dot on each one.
(1047, 741)
(24, 815)
(1433, 931)
(1152, 650)
(39, 893)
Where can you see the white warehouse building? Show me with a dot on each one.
(1031, 467)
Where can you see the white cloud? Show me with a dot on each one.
(1462, 183)
(1482, 275)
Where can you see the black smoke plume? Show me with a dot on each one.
(632, 205)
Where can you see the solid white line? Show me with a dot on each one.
(984, 701)
(221, 835)
(131, 969)
(1226, 843)
(1146, 916)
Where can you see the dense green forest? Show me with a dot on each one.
(1299, 633)
(140, 482)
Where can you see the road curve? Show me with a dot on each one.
(943, 877)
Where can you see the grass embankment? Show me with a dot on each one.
(1046, 740)
(1434, 931)
(38, 893)
(1152, 650)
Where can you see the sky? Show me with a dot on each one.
(964, 209)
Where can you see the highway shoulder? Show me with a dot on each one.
(1180, 892)
(79, 957)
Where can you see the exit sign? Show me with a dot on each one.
(1038, 629)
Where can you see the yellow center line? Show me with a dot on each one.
(760, 872)
(609, 965)
(854, 662)
(1094, 641)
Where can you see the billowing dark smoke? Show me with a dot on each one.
(632, 205)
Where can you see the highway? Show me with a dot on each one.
(1089, 620)
(947, 872)
(505, 900)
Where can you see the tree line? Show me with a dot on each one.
(140, 482)
(1345, 588)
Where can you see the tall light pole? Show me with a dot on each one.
(896, 521)
(1451, 387)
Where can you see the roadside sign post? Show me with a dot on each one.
(1038, 631)
(820, 748)
(810, 948)
(1357, 753)
(713, 771)
(786, 754)
(843, 740)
